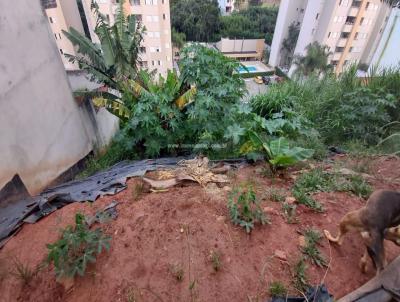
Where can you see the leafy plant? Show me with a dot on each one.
(300, 279)
(244, 208)
(77, 248)
(277, 152)
(277, 289)
(311, 251)
(358, 186)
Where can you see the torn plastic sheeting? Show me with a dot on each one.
(315, 294)
(17, 207)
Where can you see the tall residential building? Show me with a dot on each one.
(156, 49)
(349, 28)
(226, 6)
(61, 15)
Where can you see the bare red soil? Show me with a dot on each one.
(179, 228)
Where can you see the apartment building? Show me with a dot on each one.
(226, 6)
(156, 49)
(349, 28)
(61, 15)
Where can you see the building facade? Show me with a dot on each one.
(156, 49)
(349, 29)
(226, 6)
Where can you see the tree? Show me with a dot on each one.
(198, 20)
(256, 22)
(117, 56)
(289, 44)
(178, 39)
(316, 60)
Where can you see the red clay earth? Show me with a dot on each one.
(179, 228)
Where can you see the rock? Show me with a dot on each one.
(290, 200)
(281, 255)
(220, 218)
(269, 210)
(227, 189)
(302, 241)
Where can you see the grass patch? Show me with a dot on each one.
(311, 250)
(300, 279)
(23, 272)
(277, 289)
(276, 194)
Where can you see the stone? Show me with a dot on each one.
(220, 218)
(269, 210)
(302, 241)
(281, 255)
(290, 200)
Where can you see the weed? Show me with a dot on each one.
(277, 289)
(177, 271)
(289, 210)
(358, 186)
(244, 208)
(311, 250)
(276, 194)
(215, 260)
(300, 279)
(308, 201)
(361, 165)
(77, 247)
(23, 272)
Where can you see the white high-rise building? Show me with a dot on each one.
(349, 28)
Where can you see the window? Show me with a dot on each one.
(108, 18)
(339, 49)
(344, 35)
(142, 49)
(162, 1)
(144, 63)
(350, 20)
(51, 20)
(55, 36)
(316, 17)
(356, 3)
(163, 16)
(158, 49)
(367, 6)
(329, 35)
(362, 21)
(61, 51)
(153, 63)
(302, 10)
(351, 49)
(139, 18)
(59, 36)
(344, 2)
(313, 31)
(356, 35)
(134, 2)
(334, 63)
(159, 63)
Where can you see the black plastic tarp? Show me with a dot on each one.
(17, 206)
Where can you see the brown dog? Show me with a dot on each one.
(379, 219)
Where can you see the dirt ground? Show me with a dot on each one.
(158, 232)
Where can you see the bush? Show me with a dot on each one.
(77, 247)
(244, 208)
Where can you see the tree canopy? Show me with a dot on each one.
(316, 60)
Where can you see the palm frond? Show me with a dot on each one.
(186, 98)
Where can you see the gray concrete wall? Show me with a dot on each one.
(43, 131)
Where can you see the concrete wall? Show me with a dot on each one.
(240, 45)
(43, 132)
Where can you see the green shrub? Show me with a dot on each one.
(77, 247)
(300, 279)
(244, 208)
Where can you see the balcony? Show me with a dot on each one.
(356, 3)
(353, 11)
(347, 28)
(342, 42)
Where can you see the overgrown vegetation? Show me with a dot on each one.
(244, 208)
(201, 21)
(77, 248)
(310, 250)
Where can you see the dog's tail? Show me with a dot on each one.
(330, 237)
